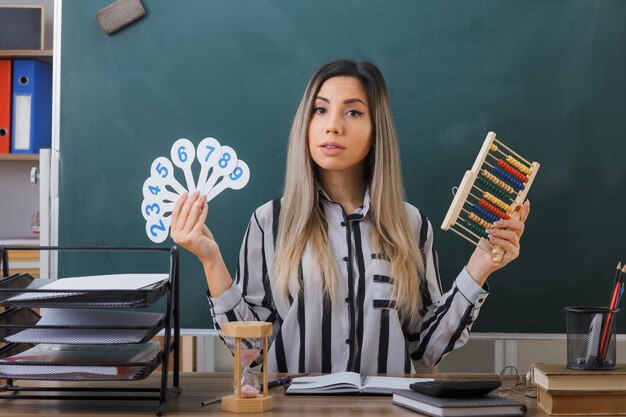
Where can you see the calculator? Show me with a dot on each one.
(455, 389)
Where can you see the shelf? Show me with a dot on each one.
(19, 157)
(43, 54)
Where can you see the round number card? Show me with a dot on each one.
(219, 169)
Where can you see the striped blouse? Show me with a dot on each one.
(362, 333)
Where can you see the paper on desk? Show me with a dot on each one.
(106, 282)
(86, 317)
(92, 282)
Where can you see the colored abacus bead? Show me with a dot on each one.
(498, 202)
(508, 168)
(517, 164)
(479, 221)
(517, 185)
(493, 188)
(485, 204)
(484, 213)
(507, 188)
(477, 229)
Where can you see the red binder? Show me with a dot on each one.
(5, 105)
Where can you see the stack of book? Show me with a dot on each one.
(562, 391)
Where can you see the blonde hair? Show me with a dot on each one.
(302, 220)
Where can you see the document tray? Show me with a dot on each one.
(32, 297)
(73, 370)
(22, 325)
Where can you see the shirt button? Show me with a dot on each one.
(480, 300)
(345, 258)
(343, 224)
(347, 299)
(348, 342)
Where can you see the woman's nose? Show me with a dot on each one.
(334, 125)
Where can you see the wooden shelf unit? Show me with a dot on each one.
(43, 54)
(19, 157)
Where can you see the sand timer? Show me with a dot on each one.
(250, 341)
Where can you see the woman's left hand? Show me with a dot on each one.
(506, 234)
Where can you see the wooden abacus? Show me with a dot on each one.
(494, 189)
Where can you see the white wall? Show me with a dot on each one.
(479, 355)
(19, 200)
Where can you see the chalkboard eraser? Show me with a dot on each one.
(119, 14)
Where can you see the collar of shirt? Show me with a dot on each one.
(357, 214)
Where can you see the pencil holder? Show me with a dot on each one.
(590, 338)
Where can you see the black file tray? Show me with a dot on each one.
(14, 320)
(34, 297)
(20, 293)
(73, 371)
(21, 325)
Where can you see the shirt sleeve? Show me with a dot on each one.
(250, 296)
(445, 319)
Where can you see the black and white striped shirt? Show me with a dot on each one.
(362, 333)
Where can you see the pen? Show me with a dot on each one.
(363, 378)
(617, 272)
(210, 401)
(281, 381)
(620, 278)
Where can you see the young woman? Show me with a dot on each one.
(341, 265)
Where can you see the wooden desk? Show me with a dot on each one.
(197, 387)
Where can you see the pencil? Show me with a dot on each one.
(606, 329)
(618, 272)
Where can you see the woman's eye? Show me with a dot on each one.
(319, 110)
(354, 113)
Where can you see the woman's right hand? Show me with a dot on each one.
(188, 227)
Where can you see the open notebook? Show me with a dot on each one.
(349, 382)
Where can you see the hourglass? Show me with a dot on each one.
(250, 340)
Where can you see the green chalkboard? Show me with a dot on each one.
(549, 77)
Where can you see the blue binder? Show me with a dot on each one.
(32, 106)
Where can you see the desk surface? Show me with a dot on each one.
(197, 387)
